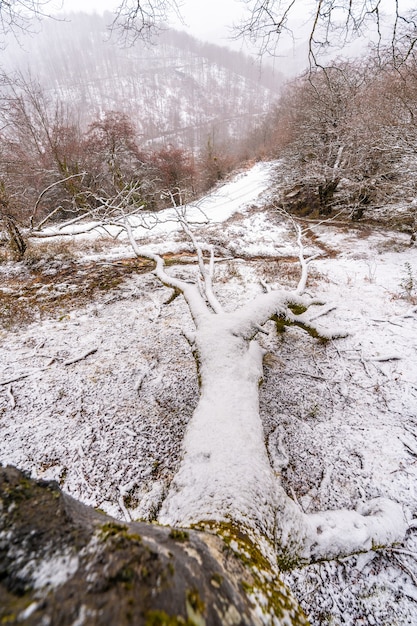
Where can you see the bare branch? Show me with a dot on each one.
(140, 19)
(17, 16)
(206, 275)
(24, 375)
(332, 24)
(80, 357)
(43, 193)
(195, 302)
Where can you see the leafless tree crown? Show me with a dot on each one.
(138, 19)
(19, 15)
(330, 24)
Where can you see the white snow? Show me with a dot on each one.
(52, 572)
(112, 425)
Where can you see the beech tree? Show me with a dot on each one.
(174, 171)
(225, 473)
(227, 484)
(113, 155)
(329, 127)
(346, 138)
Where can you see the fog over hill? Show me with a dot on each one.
(177, 89)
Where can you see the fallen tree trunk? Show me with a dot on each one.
(226, 487)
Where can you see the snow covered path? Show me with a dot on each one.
(241, 192)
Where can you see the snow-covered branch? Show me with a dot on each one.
(190, 291)
(43, 193)
(206, 274)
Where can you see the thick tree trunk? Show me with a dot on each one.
(226, 476)
(225, 473)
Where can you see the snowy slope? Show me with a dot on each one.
(340, 418)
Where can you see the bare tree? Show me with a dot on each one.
(346, 136)
(41, 144)
(138, 19)
(19, 15)
(330, 24)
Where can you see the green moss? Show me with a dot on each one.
(287, 561)
(110, 529)
(179, 535)
(155, 466)
(174, 295)
(262, 586)
(247, 588)
(24, 490)
(195, 601)
(125, 576)
(118, 531)
(281, 323)
(234, 537)
(216, 580)
(160, 618)
(195, 608)
(297, 309)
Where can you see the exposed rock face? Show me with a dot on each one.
(64, 563)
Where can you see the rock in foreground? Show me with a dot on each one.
(64, 563)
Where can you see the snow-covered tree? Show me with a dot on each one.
(227, 486)
(226, 475)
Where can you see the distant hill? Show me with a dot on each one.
(177, 90)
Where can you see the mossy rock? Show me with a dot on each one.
(63, 563)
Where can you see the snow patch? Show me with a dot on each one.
(52, 572)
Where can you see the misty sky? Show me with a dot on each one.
(205, 19)
(211, 20)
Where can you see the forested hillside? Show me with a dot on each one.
(347, 136)
(175, 88)
(84, 119)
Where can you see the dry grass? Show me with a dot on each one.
(229, 271)
(48, 250)
(286, 272)
(392, 244)
(55, 286)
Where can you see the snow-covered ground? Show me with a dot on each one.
(98, 397)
